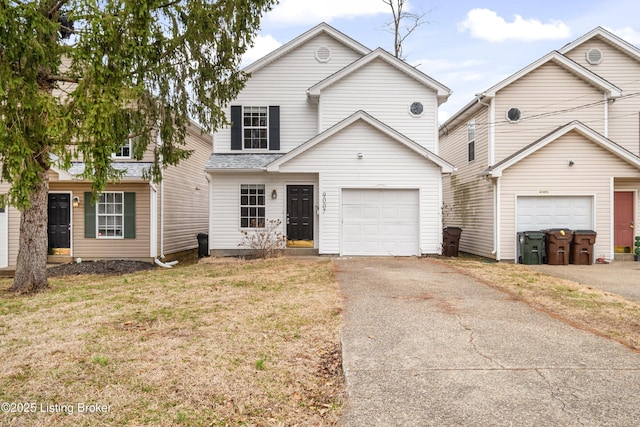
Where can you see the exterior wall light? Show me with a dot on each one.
(76, 201)
(274, 194)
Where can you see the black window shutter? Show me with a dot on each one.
(236, 127)
(274, 127)
(129, 215)
(89, 217)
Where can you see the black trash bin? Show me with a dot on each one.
(582, 247)
(558, 243)
(531, 247)
(451, 241)
(203, 245)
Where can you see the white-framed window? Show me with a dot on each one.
(255, 128)
(471, 140)
(124, 151)
(252, 206)
(110, 215)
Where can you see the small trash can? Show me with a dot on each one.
(451, 241)
(558, 244)
(582, 247)
(531, 247)
(203, 245)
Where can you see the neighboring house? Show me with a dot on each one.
(554, 145)
(133, 219)
(336, 141)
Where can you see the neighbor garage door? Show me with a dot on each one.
(380, 222)
(544, 212)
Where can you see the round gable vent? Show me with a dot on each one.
(323, 54)
(594, 56)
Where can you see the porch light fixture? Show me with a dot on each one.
(76, 201)
(274, 194)
(360, 155)
(571, 163)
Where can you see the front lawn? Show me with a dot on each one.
(223, 342)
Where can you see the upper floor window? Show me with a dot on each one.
(255, 125)
(124, 151)
(471, 140)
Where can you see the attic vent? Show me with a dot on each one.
(323, 54)
(594, 56)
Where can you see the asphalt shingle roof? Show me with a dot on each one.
(218, 161)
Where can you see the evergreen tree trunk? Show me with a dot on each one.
(31, 265)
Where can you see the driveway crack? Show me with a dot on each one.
(474, 346)
(555, 396)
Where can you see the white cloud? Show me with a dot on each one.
(262, 45)
(314, 11)
(628, 34)
(485, 24)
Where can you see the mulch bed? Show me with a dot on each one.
(111, 267)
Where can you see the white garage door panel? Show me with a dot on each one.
(539, 213)
(380, 222)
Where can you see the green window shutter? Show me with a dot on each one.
(129, 215)
(89, 217)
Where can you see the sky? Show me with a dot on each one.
(466, 45)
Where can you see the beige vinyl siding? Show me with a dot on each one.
(93, 248)
(387, 99)
(623, 71)
(386, 164)
(469, 198)
(13, 228)
(591, 175)
(225, 231)
(548, 97)
(186, 201)
(284, 83)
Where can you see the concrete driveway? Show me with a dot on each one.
(620, 277)
(424, 345)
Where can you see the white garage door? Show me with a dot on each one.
(380, 222)
(4, 238)
(539, 213)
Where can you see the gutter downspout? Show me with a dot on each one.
(498, 217)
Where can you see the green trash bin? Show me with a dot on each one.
(531, 247)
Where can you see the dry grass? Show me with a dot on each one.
(218, 343)
(600, 312)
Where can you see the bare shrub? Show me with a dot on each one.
(264, 242)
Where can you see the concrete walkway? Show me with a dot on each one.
(425, 346)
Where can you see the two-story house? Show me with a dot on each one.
(133, 219)
(555, 145)
(339, 143)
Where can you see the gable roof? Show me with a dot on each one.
(608, 37)
(497, 169)
(377, 124)
(441, 90)
(322, 28)
(556, 57)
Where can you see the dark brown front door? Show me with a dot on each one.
(623, 219)
(59, 224)
(299, 212)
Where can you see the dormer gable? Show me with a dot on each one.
(441, 90)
